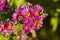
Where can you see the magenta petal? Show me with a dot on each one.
(37, 7)
(27, 28)
(1, 7)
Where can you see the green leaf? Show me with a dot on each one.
(54, 22)
(19, 2)
(19, 26)
(1, 37)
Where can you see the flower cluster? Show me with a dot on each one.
(30, 16)
(6, 28)
(4, 5)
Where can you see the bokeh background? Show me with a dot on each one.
(51, 27)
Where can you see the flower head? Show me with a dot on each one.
(7, 28)
(38, 22)
(31, 17)
(4, 5)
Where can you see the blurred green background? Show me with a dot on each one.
(51, 27)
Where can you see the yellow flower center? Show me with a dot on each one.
(36, 13)
(2, 26)
(27, 14)
(10, 26)
(37, 23)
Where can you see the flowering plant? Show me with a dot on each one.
(27, 17)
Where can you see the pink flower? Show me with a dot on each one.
(23, 36)
(38, 23)
(27, 28)
(4, 5)
(5, 33)
(31, 17)
(1, 27)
